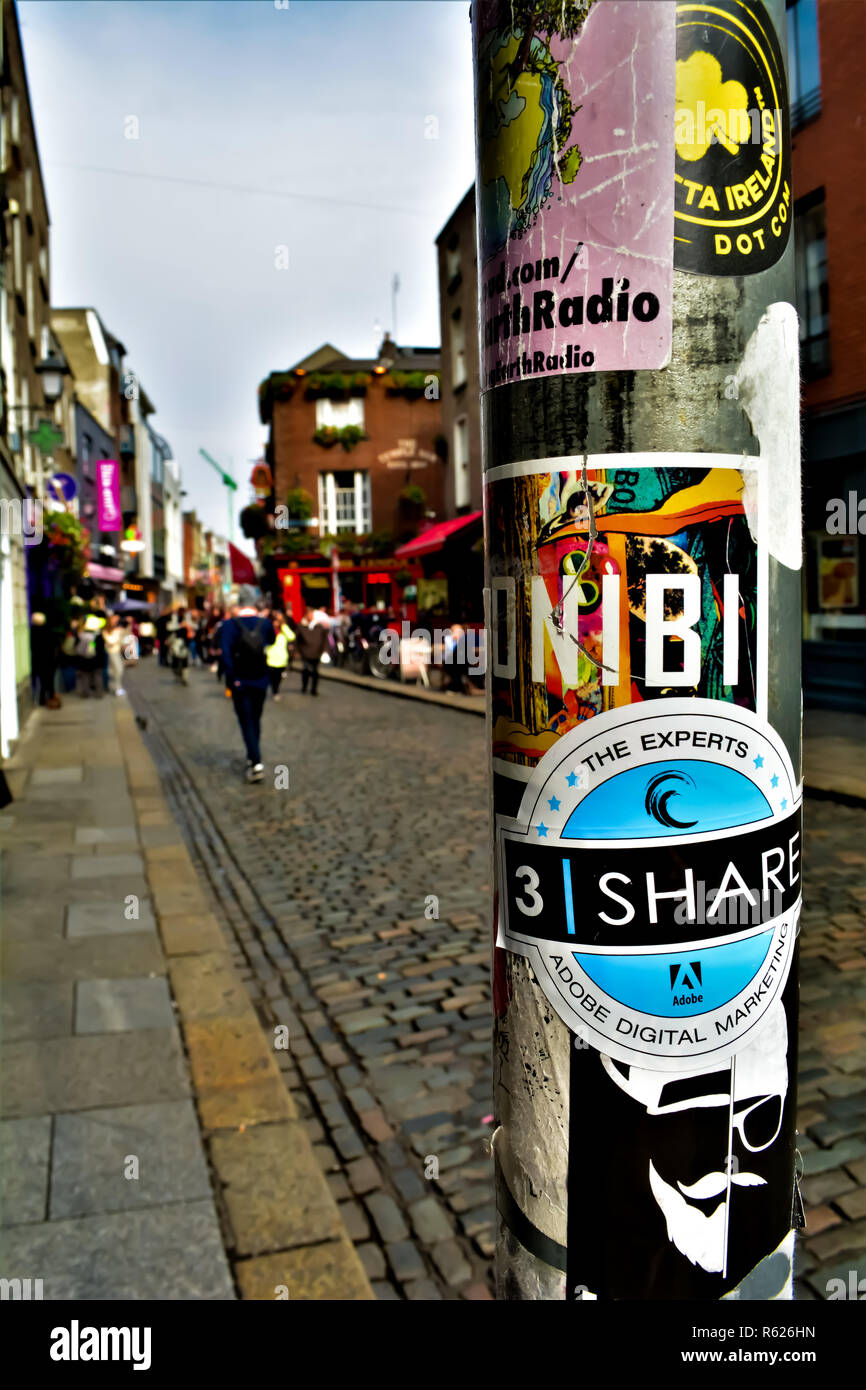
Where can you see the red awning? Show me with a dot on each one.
(243, 569)
(435, 538)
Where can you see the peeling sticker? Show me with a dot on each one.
(767, 386)
(576, 208)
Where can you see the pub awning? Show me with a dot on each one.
(434, 539)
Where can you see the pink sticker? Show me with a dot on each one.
(575, 187)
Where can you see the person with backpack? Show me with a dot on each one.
(244, 637)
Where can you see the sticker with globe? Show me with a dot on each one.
(575, 161)
(733, 140)
(651, 876)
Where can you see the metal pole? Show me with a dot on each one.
(641, 447)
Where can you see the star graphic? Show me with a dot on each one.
(784, 803)
(774, 780)
(572, 779)
(553, 803)
(759, 761)
(542, 830)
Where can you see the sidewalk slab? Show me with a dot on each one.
(120, 1006)
(150, 1145)
(90, 1162)
(54, 1075)
(167, 1252)
(834, 753)
(25, 1155)
(107, 919)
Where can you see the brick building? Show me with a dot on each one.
(361, 437)
(826, 44)
(458, 312)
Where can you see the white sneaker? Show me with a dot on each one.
(255, 774)
(120, 691)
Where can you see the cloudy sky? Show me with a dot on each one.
(185, 143)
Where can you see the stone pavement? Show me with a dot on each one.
(357, 899)
(140, 1159)
(834, 753)
(834, 743)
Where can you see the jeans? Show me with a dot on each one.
(275, 675)
(248, 701)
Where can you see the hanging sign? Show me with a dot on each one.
(109, 516)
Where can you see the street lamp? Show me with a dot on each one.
(51, 371)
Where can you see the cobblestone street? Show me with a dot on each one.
(322, 888)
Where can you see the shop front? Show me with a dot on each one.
(450, 556)
(316, 581)
(834, 571)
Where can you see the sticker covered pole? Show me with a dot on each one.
(640, 430)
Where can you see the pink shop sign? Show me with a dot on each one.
(108, 495)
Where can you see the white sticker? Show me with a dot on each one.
(652, 878)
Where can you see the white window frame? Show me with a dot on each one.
(458, 351)
(30, 299)
(462, 481)
(359, 523)
(337, 414)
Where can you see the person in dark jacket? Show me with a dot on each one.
(243, 638)
(311, 635)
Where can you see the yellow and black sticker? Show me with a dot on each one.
(733, 204)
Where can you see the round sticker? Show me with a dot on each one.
(652, 878)
(733, 207)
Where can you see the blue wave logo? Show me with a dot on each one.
(668, 798)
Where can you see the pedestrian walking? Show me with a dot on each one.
(178, 636)
(43, 658)
(91, 658)
(244, 638)
(114, 636)
(215, 650)
(147, 636)
(161, 625)
(311, 634)
(454, 656)
(68, 664)
(277, 654)
(340, 634)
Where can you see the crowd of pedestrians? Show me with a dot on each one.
(88, 656)
(249, 647)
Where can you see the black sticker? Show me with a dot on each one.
(733, 206)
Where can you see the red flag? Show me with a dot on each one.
(243, 569)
